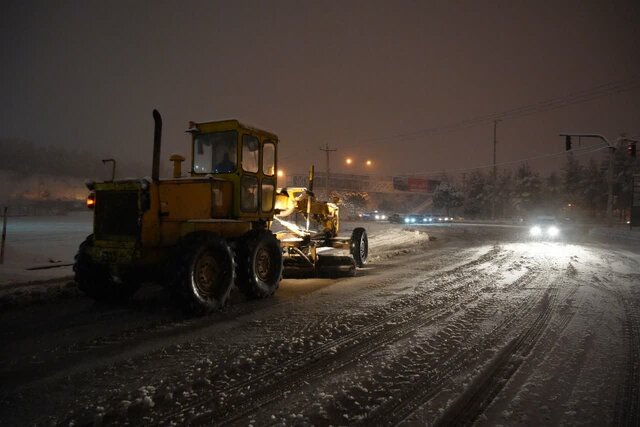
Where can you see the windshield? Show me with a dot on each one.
(215, 152)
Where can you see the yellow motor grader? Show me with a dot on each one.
(312, 231)
(205, 231)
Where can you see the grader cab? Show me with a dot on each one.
(199, 233)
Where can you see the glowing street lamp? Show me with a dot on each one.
(348, 160)
(369, 163)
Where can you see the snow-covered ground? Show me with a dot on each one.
(446, 325)
(41, 248)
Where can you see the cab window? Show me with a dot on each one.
(249, 193)
(215, 152)
(268, 190)
(250, 153)
(269, 158)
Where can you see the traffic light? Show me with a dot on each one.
(567, 142)
(631, 149)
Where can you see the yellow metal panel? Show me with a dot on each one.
(181, 201)
(227, 229)
(170, 232)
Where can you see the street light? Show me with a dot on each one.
(350, 161)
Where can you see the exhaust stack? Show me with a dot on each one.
(157, 137)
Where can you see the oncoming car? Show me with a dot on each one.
(545, 227)
(373, 216)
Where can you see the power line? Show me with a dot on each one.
(595, 92)
(576, 151)
(581, 151)
(599, 91)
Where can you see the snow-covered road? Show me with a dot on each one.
(475, 326)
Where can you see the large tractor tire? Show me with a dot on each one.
(96, 281)
(203, 272)
(359, 247)
(259, 264)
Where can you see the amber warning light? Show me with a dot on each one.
(91, 200)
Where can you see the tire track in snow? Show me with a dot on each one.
(628, 398)
(488, 384)
(450, 279)
(418, 310)
(97, 351)
(432, 380)
(390, 336)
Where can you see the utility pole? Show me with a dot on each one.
(327, 151)
(495, 143)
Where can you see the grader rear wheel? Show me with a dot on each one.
(204, 273)
(259, 269)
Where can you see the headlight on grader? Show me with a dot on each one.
(91, 200)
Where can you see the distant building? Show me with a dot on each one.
(368, 183)
(405, 193)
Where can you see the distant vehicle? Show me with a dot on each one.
(412, 219)
(427, 219)
(545, 227)
(396, 218)
(417, 219)
(379, 216)
(437, 218)
(373, 216)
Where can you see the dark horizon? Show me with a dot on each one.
(412, 86)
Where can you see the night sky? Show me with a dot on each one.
(413, 85)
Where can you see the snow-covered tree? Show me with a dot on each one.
(527, 190)
(502, 192)
(447, 196)
(594, 188)
(476, 195)
(552, 195)
(623, 169)
(572, 180)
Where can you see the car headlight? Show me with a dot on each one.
(383, 217)
(553, 231)
(535, 231)
(407, 220)
(377, 216)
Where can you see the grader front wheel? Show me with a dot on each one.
(359, 247)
